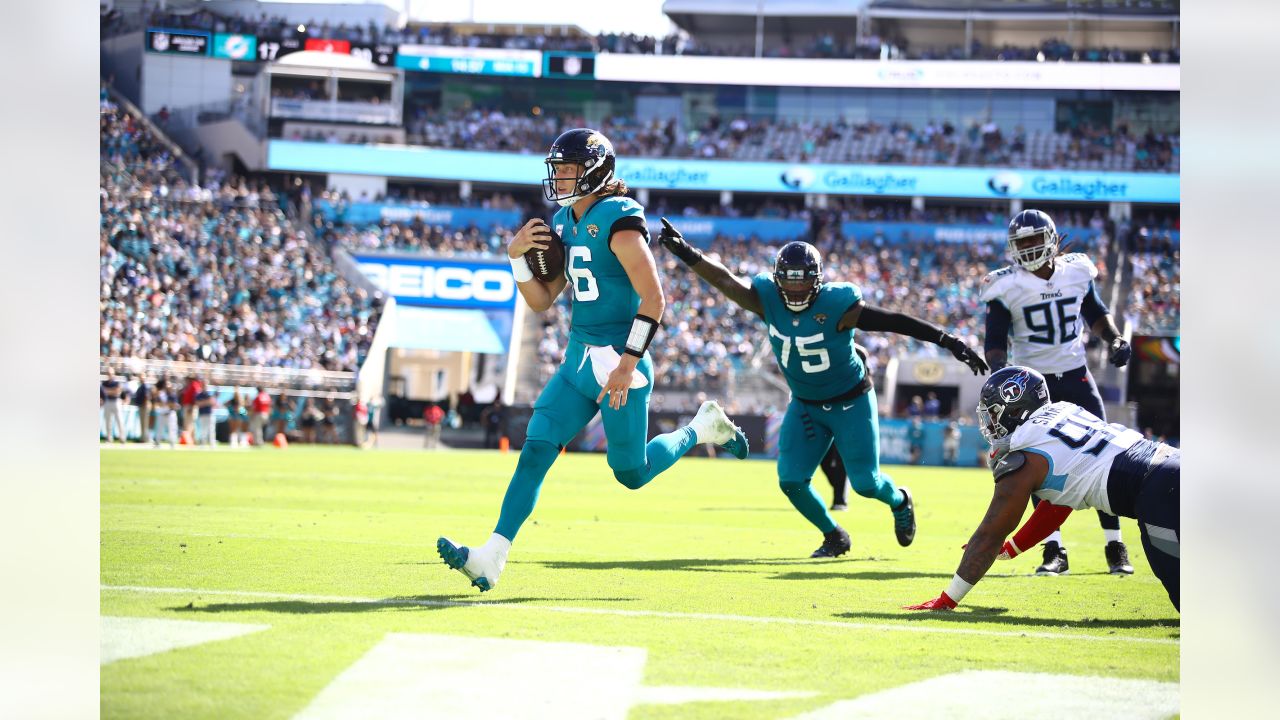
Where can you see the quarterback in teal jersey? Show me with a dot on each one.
(811, 325)
(617, 306)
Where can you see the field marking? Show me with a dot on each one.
(745, 619)
(969, 695)
(134, 637)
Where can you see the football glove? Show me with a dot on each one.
(966, 355)
(942, 602)
(1120, 352)
(1007, 551)
(671, 239)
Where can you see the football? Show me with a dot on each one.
(547, 264)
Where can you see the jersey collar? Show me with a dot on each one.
(590, 207)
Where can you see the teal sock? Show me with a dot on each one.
(803, 497)
(882, 488)
(536, 458)
(661, 453)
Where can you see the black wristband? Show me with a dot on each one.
(643, 329)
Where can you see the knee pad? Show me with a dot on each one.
(633, 479)
(536, 457)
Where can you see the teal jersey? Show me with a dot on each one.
(817, 360)
(604, 302)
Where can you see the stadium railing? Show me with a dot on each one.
(314, 383)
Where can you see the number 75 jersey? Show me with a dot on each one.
(817, 360)
(1079, 448)
(1045, 330)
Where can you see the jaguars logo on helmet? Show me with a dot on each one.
(587, 149)
(797, 273)
(1008, 398)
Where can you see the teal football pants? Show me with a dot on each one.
(566, 405)
(807, 433)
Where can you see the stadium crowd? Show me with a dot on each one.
(822, 45)
(215, 273)
(740, 138)
(1154, 306)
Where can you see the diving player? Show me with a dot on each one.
(617, 306)
(811, 327)
(1038, 302)
(1070, 459)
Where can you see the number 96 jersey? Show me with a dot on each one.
(817, 360)
(1045, 327)
(1079, 448)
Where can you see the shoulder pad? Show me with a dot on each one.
(1010, 463)
(997, 274)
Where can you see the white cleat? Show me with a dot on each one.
(711, 425)
(482, 565)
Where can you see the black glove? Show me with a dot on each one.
(1120, 352)
(965, 354)
(671, 239)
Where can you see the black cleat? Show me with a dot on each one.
(834, 544)
(904, 520)
(1118, 558)
(1055, 560)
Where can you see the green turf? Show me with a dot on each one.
(709, 536)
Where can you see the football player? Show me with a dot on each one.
(1070, 459)
(811, 326)
(1038, 302)
(617, 306)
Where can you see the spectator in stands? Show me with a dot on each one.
(205, 426)
(111, 399)
(915, 409)
(494, 421)
(142, 396)
(433, 416)
(932, 406)
(260, 413)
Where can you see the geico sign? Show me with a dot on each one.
(446, 282)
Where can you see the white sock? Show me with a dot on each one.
(498, 544)
(1055, 536)
(1112, 535)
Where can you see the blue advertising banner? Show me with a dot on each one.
(893, 232)
(705, 228)
(896, 439)
(693, 174)
(366, 213)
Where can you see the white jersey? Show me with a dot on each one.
(1080, 449)
(1045, 333)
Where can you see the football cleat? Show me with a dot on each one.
(1118, 558)
(839, 507)
(1055, 560)
(711, 425)
(904, 519)
(481, 565)
(834, 544)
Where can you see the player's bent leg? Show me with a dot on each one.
(802, 442)
(856, 428)
(804, 499)
(1158, 521)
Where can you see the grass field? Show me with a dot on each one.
(329, 555)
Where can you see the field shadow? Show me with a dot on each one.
(858, 575)
(971, 614)
(690, 564)
(420, 602)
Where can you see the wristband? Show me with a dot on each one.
(958, 588)
(520, 268)
(642, 331)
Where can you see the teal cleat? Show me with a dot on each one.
(481, 569)
(737, 445)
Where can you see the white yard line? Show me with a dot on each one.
(719, 617)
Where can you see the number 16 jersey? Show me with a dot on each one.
(1045, 328)
(1079, 448)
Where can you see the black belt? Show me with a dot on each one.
(862, 388)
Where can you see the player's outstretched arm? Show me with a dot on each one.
(995, 344)
(1104, 326)
(1012, 492)
(869, 317)
(539, 295)
(735, 288)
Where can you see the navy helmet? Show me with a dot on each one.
(1008, 398)
(1033, 239)
(798, 274)
(591, 152)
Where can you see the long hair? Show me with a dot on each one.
(616, 187)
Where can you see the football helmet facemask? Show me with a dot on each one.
(592, 154)
(797, 272)
(1038, 227)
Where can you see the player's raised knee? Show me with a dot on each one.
(790, 485)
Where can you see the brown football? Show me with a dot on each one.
(547, 265)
